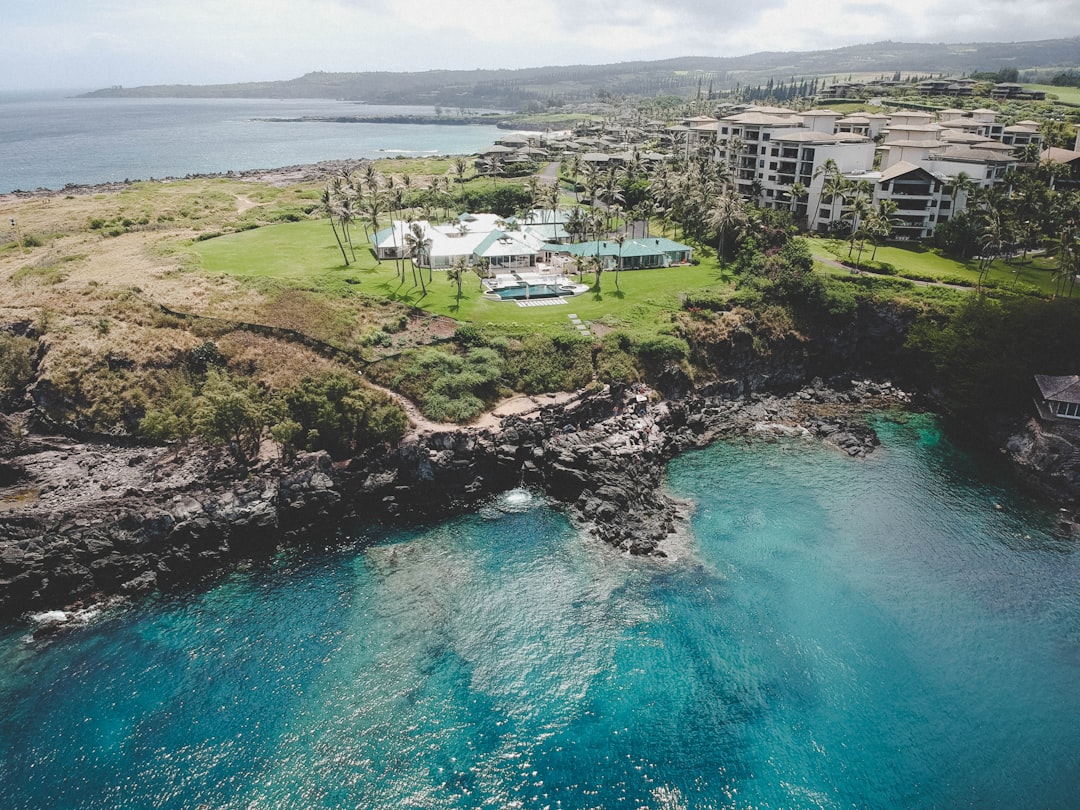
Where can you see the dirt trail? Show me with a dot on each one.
(519, 405)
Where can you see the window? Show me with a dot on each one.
(761, 164)
(766, 136)
(1070, 409)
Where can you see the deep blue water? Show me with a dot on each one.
(901, 631)
(49, 142)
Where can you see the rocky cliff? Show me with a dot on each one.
(83, 521)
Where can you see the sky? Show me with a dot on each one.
(89, 44)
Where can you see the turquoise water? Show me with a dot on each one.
(529, 291)
(902, 631)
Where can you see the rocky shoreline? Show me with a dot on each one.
(83, 522)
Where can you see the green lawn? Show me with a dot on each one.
(305, 254)
(923, 262)
(1067, 95)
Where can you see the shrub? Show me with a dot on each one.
(662, 350)
(16, 363)
(205, 355)
(544, 363)
(336, 413)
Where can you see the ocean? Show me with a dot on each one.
(896, 631)
(48, 141)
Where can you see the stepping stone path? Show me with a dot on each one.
(581, 327)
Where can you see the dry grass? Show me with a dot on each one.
(96, 295)
(271, 362)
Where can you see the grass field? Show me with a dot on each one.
(305, 254)
(1066, 95)
(924, 263)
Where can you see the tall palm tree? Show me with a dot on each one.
(796, 193)
(418, 245)
(725, 217)
(461, 165)
(619, 239)
(574, 169)
(329, 206)
(456, 273)
(880, 223)
(858, 209)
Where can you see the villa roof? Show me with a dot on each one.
(900, 169)
(1060, 389)
(854, 119)
(963, 137)
(911, 114)
(913, 143)
(819, 112)
(1055, 154)
(500, 243)
(771, 110)
(1027, 122)
(630, 248)
(916, 127)
(765, 119)
(812, 136)
(974, 154)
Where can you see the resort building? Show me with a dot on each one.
(777, 157)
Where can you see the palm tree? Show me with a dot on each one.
(880, 223)
(493, 165)
(418, 244)
(456, 273)
(796, 193)
(857, 211)
(618, 239)
(725, 217)
(328, 205)
(574, 169)
(461, 165)
(962, 183)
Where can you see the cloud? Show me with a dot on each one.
(91, 43)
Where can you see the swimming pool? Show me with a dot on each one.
(533, 291)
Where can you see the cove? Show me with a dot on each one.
(896, 631)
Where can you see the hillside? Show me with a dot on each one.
(515, 89)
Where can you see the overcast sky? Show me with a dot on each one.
(98, 43)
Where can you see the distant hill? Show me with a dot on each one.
(515, 89)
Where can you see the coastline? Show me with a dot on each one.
(88, 522)
(318, 172)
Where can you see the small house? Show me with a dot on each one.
(1059, 397)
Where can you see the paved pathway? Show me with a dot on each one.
(917, 283)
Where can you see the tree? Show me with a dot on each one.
(418, 246)
(880, 222)
(619, 239)
(328, 205)
(231, 412)
(798, 191)
(456, 273)
(725, 217)
(460, 166)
